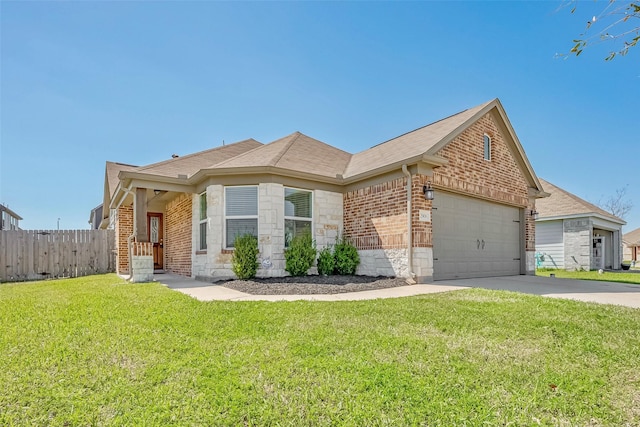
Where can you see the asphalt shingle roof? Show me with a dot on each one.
(192, 163)
(632, 238)
(562, 203)
(295, 152)
(411, 144)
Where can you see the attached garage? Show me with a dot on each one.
(475, 238)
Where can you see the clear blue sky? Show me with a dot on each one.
(134, 82)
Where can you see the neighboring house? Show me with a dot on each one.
(95, 218)
(631, 245)
(9, 220)
(187, 210)
(573, 234)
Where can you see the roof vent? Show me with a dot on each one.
(174, 156)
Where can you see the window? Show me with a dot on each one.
(487, 147)
(203, 222)
(298, 213)
(241, 212)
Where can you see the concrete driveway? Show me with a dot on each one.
(583, 290)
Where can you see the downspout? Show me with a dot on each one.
(406, 173)
(129, 250)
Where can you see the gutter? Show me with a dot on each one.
(125, 192)
(406, 173)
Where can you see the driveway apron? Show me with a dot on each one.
(582, 290)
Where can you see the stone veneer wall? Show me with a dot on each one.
(577, 244)
(271, 230)
(201, 261)
(215, 262)
(124, 229)
(177, 235)
(142, 269)
(328, 213)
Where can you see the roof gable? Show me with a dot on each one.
(409, 145)
(296, 152)
(112, 170)
(425, 143)
(561, 203)
(632, 238)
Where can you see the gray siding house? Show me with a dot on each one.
(573, 234)
(9, 220)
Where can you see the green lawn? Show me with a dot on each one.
(99, 351)
(607, 276)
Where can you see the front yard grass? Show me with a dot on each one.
(99, 351)
(607, 276)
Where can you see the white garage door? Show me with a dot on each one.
(474, 238)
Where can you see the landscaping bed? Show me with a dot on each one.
(313, 284)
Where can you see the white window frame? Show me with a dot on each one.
(228, 217)
(297, 218)
(202, 245)
(486, 144)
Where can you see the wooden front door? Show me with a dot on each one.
(155, 227)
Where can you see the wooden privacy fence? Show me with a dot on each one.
(34, 255)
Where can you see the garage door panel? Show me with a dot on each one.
(474, 238)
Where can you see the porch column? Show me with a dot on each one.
(140, 250)
(140, 215)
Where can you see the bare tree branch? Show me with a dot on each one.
(617, 204)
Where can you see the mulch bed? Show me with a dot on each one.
(309, 285)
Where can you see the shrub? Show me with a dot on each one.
(326, 261)
(346, 257)
(244, 261)
(300, 255)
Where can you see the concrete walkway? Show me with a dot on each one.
(209, 292)
(583, 290)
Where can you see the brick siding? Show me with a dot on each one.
(124, 229)
(177, 242)
(421, 230)
(375, 216)
(499, 179)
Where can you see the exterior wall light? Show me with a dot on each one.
(428, 191)
(534, 213)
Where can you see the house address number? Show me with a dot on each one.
(425, 216)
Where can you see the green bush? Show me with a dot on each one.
(326, 261)
(244, 262)
(300, 255)
(346, 257)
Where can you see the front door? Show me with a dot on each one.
(154, 225)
